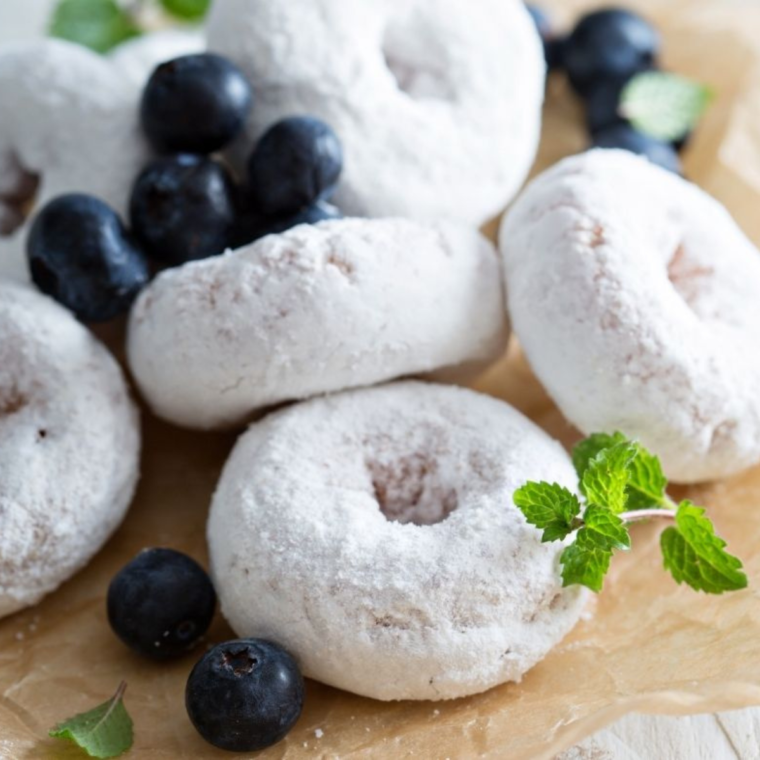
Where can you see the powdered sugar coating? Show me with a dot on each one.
(138, 57)
(69, 446)
(316, 309)
(302, 552)
(437, 102)
(71, 118)
(635, 296)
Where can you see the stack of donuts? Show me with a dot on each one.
(365, 518)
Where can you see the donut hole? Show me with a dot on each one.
(416, 61)
(18, 193)
(687, 276)
(410, 489)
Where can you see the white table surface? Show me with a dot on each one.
(725, 736)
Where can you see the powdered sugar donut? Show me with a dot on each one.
(372, 533)
(316, 309)
(437, 102)
(635, 296)
(138, 57)
(69, 444)
(69, 123)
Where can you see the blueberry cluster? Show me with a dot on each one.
(186, 204)
(602, 53)
(242, 695)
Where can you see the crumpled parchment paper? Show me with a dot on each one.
(651, 646)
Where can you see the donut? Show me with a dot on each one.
(69, 123)
(437, 102)
(137, 58)
(373, 534)
(69, 446)
(316, 309)
(635, 297)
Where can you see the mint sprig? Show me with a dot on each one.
(665, 106)
(187, 10)
(622, 482)
(97, 24)
(106, 731)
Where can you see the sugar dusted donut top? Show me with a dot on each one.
(69, 445)
(316, 309)
(373, 534)
(437, 102)
(637, 300)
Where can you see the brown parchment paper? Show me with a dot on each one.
(651, 646)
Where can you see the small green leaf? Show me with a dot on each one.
(665, 106)
(103, 732)
(588, 448)
(605, 480)
(695, 555)
(585, 565)
(97, 24)
(646, 483)
(549, 507)
(604, 530)
(188, 10)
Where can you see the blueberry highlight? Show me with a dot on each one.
(161, 603)
(245, 695)
(297, 162)
(183, 208)
(609, 44)
(626, 137)
(81, 254)
(195, 104)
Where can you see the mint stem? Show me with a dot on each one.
(645, 514)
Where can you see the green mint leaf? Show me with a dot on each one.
(187, 10)
(665, 106)
(695, 555)
(103, 732)
(606, 478)
(97, 24)
(585, 565)
(549, 507)
(604, 530)
(646, 481)
(588, 448)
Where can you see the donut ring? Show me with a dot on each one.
(70, 124)
(373, 534)
(635, 297)
(438, 102)
(316, 309)
(69, 446)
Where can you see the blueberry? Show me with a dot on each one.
(627, 138)
(81, 254)
(183, 208)
(602, 105)
(195, 104)
(553, 45)
(161, 603)
(609, 44)
(251, 227)
(245, 695)
(297, 162)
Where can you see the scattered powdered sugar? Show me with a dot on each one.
(384, 603)
(319, 733)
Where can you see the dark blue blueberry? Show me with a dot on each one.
(553, 44)
(627, 138)
(252, 226)
(609, 44)
(603, 104)
(195, 104)
(297, 162)
(245, 695)
(161, 603)
(183, 208)
(81, 254)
